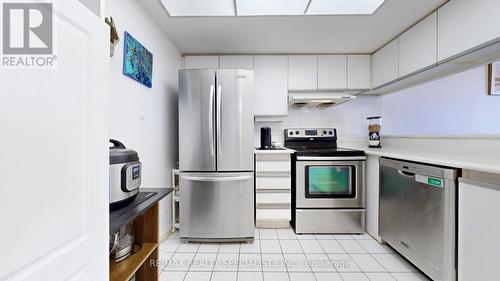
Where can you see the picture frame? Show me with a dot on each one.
(494, 79)
(137, 61)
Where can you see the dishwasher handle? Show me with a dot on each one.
(406, 174)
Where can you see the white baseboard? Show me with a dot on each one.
(166, 233)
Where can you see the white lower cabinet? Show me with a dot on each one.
(479, 229)
(372, 189)
(273, 189)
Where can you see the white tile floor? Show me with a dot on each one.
(280, 255)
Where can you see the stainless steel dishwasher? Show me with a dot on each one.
(418, 215)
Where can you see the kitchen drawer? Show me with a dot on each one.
(283, 157)
(272, 166)
(284, 214)
(267, 198)
(273, 183)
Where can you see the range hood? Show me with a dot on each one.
(318, 99)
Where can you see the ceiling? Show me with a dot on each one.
(291, 34)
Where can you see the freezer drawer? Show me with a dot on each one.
(216, 206)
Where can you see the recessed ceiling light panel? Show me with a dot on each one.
(199, 7)
(343, 7)
(270, 7)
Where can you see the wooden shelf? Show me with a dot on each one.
(143, 217)
(126, 269)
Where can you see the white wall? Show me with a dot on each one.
(349, 119)
(455, 105)
(146, 119)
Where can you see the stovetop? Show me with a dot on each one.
(317, 142)
(325, 151)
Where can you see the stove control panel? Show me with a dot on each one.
(311, 133)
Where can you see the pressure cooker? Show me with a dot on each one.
(124, 175)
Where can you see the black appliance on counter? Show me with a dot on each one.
(327, 183)
(265, 138)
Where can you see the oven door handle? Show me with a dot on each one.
(318, 158)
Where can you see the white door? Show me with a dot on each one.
(54, 156)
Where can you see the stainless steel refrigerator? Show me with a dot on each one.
(216, 155)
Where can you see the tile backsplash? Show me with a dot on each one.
(348, 118)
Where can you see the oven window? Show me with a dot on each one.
(330, 182)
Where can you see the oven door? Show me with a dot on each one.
(330, 182)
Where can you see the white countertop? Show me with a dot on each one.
(484, 161)
(272, 151)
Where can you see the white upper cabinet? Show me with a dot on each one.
(358, 72)
(201, 62)
(465, 24)
(332, 72)
(418, 46)
(385, 64)
(242, 62)
(271, 85)
(303, 73)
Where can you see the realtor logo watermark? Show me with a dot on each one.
(27, 35)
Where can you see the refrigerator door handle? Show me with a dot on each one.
(211, 121)
(219, 129)
(212, 179)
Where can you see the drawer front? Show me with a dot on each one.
(273, 214)
(273, 183)
(273, 166)
(284, 157)
(274, 198)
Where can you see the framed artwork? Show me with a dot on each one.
(494, 79)
(137, 61)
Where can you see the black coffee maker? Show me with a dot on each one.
(265, 138)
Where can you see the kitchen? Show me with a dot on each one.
(321, 86)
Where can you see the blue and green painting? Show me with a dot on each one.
(137, 61)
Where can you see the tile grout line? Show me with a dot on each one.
(190, 263)
(216, 257)
(261, 257)
(331, 261)
(175, 251)
(350, 256)
(379, 263)
(387, 253)
(284, 260)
